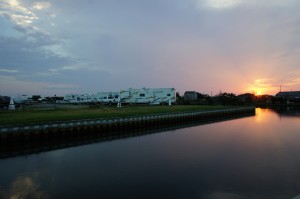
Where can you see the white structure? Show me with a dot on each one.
(107, 97)
(148, 96)
(11, 104)
(23, 99)
(131, 96)
(79, 98)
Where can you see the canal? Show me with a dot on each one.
(251, 157)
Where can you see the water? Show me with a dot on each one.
(251, 157)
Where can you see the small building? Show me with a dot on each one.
(289, 94)
(190, 96)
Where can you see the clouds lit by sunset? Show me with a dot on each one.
(71, 46)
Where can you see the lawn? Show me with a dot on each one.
(63, 113)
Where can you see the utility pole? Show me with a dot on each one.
(280, 88)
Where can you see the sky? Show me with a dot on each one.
(60, 47)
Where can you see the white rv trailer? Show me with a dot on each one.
(148, 96)
(79, 98)
(107, 97)
(23, 99)
(100, 97)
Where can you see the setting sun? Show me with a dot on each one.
(258, 92)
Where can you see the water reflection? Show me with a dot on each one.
(263, 115)
(38, 146)
(252, 157)
(288, 112)
(22, 187)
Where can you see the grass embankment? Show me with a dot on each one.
(33, 115)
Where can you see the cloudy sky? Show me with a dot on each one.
(74, 46)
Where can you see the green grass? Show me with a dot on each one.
(32, 115)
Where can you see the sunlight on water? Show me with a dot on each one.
(263, 115)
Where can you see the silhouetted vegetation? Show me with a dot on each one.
(4, 102)
(246, 99)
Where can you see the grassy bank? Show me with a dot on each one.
(63, 113)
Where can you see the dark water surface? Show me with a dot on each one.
(251, 157)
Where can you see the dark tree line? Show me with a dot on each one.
(233, 99)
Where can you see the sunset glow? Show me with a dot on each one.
(206, 46)
(262, 86)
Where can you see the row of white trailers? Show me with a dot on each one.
(152, 96)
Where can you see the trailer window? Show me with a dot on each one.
(169, 95)
(142, 94)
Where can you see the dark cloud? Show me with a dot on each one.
(28, 56)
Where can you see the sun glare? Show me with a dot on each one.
(258, 92)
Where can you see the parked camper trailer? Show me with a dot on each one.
(107, 97)
(148, 96)
(79, 99)
(130, 96)
(23, 99)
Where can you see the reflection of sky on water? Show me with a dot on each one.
(252, 157)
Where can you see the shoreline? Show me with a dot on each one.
(29, 132)
(35, 146)
(40, 113)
